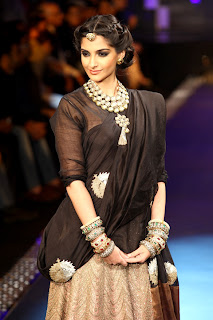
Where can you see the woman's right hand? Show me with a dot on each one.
(117, 257)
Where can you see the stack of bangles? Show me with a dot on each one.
(94, 232)
(158, 233)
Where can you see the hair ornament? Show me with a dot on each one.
(91, 36)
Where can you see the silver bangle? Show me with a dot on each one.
(95, 233)
(149, 247)
(158, 225)
(91, 226)
(108, 250)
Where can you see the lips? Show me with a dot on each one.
(94, 71)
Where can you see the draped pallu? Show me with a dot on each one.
(87, 145)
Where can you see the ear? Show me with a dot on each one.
(122, 54)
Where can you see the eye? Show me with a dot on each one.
(103, 54)
(85, 53)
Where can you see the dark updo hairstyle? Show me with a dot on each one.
(111, 29)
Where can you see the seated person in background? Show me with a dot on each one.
(73, 17)
(21, 116)
(60, 76)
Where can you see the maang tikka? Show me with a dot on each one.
(91, 36)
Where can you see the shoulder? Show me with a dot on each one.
(69, 103)
(147, 96)
(71, 98)
(153, 102)
(68, 109)
(74, 94)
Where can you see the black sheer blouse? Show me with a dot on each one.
(77, 115)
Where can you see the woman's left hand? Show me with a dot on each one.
(139, 256)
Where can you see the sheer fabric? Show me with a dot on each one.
(87, 144)
(75, 116)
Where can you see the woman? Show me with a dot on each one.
(111, 147)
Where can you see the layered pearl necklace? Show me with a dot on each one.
(115, 104)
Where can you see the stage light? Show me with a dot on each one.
(195, 1)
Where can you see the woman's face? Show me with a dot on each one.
(99, 59)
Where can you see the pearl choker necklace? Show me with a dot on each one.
(115, 104)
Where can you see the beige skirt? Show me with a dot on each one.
(99, 291)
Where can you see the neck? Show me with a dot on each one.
(109, 86)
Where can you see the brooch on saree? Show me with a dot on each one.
(61, 271)
(99, 183)
(115, 104)
(171, 272)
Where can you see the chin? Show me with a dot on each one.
(96, 78)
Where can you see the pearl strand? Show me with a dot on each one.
(115, 104)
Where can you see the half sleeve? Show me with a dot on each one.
(161, 141)
(67, 125)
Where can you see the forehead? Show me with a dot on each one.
(97, 44)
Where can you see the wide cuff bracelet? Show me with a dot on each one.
(158, 244)
(98, 242)
(108, 251)
(103, 246)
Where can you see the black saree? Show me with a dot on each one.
(87, 145)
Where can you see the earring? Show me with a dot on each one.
(120, 61)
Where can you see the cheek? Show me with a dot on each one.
(111, 63)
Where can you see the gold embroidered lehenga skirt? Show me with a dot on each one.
(99, 291)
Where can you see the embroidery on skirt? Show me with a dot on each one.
(61, 271)
(171, 272)
(99, 183)
(153, 271)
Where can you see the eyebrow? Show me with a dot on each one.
(82, 49)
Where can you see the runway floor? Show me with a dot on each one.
(189, 162)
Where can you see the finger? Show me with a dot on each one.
(124, 263)
(142, 257)
(136, 260)
(134, 253)
(123, 255)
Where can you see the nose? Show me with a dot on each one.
(93, 62)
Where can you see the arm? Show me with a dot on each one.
(158, 207)
(67, 125)
(85, 210)
(81, 201)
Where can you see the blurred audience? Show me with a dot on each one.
(23, 127)
(59, 76)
